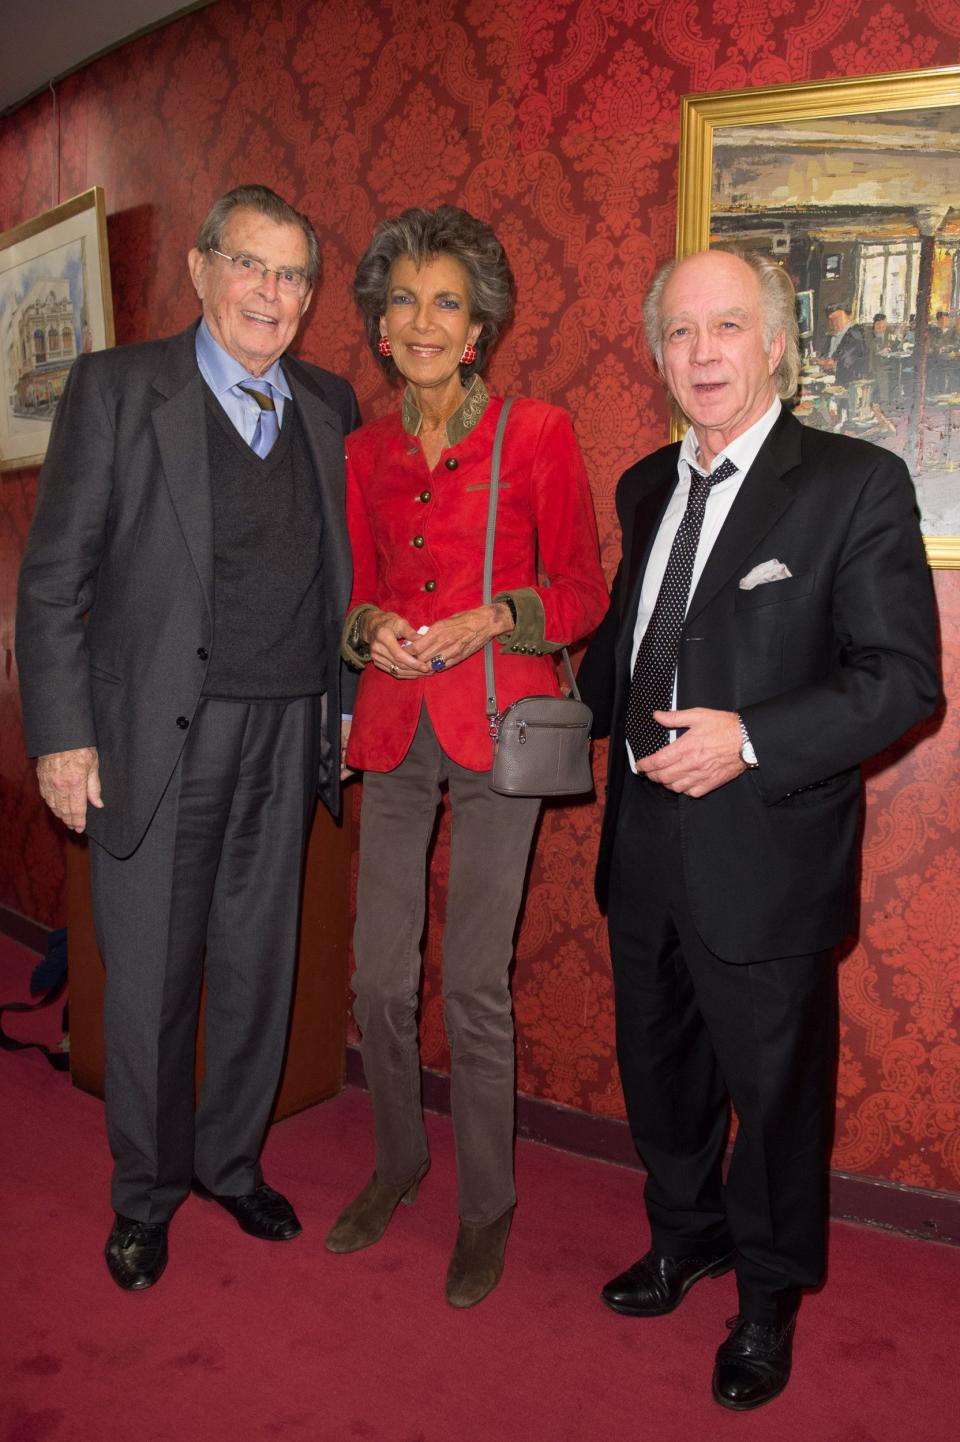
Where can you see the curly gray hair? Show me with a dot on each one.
(423, 234)
(778, 301)
(265, 202)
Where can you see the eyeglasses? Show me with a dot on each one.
(289, 280)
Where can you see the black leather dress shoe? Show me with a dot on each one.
(753, 1364)
(136, 1253)
(263, 1213)
(656, 1284)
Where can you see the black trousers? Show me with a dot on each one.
(220, 869)
(695, 1032)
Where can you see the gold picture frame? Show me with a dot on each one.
(876, 203)
(55, 303)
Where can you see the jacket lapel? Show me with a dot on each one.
(179, 423)
(324, 438)
(180, 426)
(763, 497)
(647, 515)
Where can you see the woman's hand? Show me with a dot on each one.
(456, 637)
(385, 632)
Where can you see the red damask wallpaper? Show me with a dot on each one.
(558, 120)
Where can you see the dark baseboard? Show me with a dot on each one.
(877, 1203)
(24, 930)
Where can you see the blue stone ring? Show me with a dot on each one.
(438, 664)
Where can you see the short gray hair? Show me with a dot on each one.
(265, 202)
(778, 303)
(423, 235)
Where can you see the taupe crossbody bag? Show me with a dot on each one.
(541, 744)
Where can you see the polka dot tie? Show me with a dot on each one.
(651, 685)
(267, 427)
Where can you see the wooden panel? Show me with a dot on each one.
(314, 1063)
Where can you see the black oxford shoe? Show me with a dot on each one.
(656, 1284)
(753, 1364)
(263, 1213)
(136, 1253)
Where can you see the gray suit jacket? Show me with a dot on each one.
(114, 617)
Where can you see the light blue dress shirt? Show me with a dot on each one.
(223, 375)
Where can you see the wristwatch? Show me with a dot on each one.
(747, 754)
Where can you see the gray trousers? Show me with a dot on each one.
(490, 844)
(220, 867)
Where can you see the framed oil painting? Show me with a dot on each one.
(55, 302)
(854, 187)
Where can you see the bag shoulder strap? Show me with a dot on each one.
(491, 708)
(488, 551)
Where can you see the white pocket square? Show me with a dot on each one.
(766, 571)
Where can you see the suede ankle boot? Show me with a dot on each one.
(365, 1220)
(477, 1262)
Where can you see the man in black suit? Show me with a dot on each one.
(180, 605)
(771, 626)
(847, 356)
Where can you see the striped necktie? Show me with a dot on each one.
(267, 428)
(651, 684)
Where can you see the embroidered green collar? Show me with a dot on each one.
(464, 418)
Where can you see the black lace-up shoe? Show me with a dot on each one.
(656, 1284)
(264, 1213)
(136, 1253)
(753, 1364)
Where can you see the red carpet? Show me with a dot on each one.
(244, 1341)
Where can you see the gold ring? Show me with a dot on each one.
(394, 668)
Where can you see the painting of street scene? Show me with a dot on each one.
(54, 305)
(43, 325)
(864, 213)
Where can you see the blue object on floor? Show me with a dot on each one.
(49, 972)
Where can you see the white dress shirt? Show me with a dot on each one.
(742, 452)
(836, 338)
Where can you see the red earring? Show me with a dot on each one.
(383, 346)
(469, 354)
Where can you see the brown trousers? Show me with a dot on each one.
(490, 844)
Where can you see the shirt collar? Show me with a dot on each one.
(464, 418)
(222, 372)
(742, 451)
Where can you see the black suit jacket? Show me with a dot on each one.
(851, 357)
(826, 668)
(114, 618)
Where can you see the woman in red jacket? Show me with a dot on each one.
(434, 289)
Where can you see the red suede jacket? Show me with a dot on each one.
(418, 541)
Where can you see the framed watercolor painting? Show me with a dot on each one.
(55, 302)
(854, 187)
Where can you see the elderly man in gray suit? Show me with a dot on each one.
(178, 629)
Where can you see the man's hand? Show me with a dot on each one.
(345, 724)
(69, 780)
(706, 756)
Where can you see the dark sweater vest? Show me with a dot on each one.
(268, 611)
